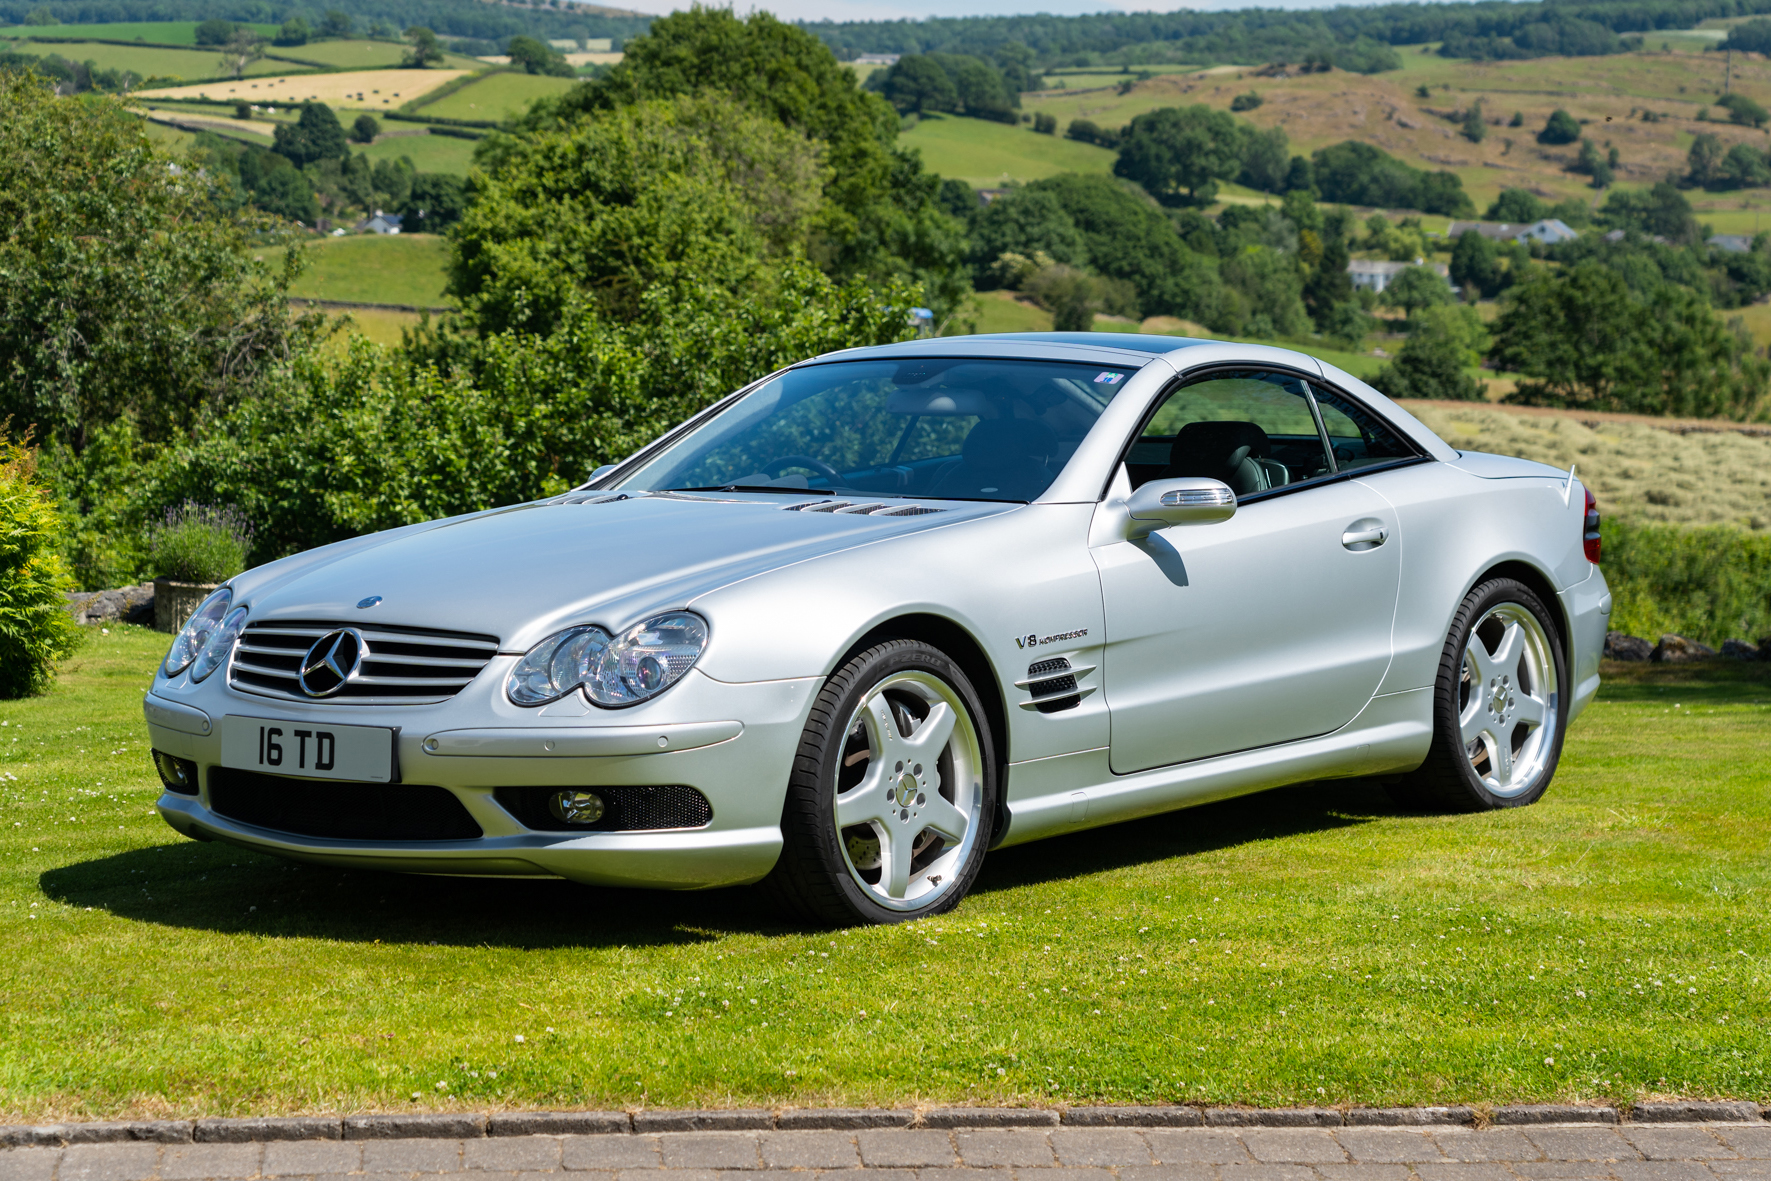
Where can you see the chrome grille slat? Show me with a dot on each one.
(399, 666)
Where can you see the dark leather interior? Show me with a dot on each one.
(1229, 451)
(1001, 457)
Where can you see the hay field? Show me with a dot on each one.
(364, 89)
(1637, 470)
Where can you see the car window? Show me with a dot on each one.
(1359, 437)
(962, 429)
(1252, 429)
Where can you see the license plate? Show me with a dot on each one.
(278, 746)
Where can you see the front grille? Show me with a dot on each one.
(340, 811)
(400, 666)
(626, 809)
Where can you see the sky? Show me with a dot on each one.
(864, 10)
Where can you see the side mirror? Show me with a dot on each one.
(600, 472)
(1192, 500)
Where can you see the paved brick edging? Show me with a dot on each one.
(473, 1126)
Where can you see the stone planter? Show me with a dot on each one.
(175, 601)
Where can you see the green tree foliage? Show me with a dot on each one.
(1516, 207)
(971, 86)
(431, 201)
(1266, 161)
(880, 217)
(1744, 167)
(365, 129)
(1025, 222)
(1179, 154)
(1415, 288)
(1475, 128)
(36, 629)
(538, 57)
(1753, 36)
(123, 290)
(424, 51)
(214, 31)
(1074, 297)
(1583, 338)
(295, 31)
(1704, 157)
(916, 83)
(1356, 173)
(1560, 128)
(1444, 342)
(336, 23)
(1087, 131)
(1246, 102)
(1045, 124)
(1743, 110)
(1659, 211)
(315, 135)
(1475, 265)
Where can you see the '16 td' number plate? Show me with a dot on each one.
(277, 746)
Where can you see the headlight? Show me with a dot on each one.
(215, 652)
(644, 662)
(197, 631)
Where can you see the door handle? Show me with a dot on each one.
(1365, 538)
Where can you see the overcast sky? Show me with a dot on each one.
(863, 10)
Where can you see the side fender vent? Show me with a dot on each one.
(1055, 684)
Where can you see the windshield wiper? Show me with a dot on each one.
(751, 488)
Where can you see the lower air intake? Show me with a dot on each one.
(625, 809)
(340, 811)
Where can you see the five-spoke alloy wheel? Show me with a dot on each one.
(892, 800)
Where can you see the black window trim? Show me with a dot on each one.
(1407, 441)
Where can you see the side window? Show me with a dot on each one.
(1359, 437)
(1251, 429)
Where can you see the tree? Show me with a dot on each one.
(1444, 343)
(1661, 211)
(1704, 157)
(1516, 207)
(1743, 168)
(335, 24)
(1026, 222)
(537, 57)
(1475, 265)
(1743, 110)
(1561, 128)
(242, 49)
(1266, 161)
(392, 181)
(1475, 128)
(916, 83)
(365, 129)
(1358, 173)
(36, 629)
(424, 51)
(1045, 124)
(214, 32)
(315, 135)
(1180, 153)
(1246, 102)
(434, 201)
(125, 295)
(295, 31)
(1415, 288)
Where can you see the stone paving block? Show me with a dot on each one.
(1387, 1145)
(1064, 1174)
(609, 1152)
(1194, 1172)
(1660, 1170)
(1748, 1142)
(197, 1162)
(1581, 1144)
(1132, 1117)
(1264, 1172)
(264, 1129)
(1014, 1147)
(740, 1120)
(964, 1175)
(311, 1157)
(28, 1164)
(1695, 1111)
(810, 1150)
(1489, 1144)
(667, 1175)
(1741, 1170)
(710, 1150)
(907, 1148)
(512, 1154)
(837, 1118)
(411, 1156)
(1561, 1170)
(440, 1125)
(1273, 1117)
(1292, 1146)
(159, 1131)
(1364, 1171)
(1462, 1171)
(558, 1123)
(1554, 1113)
(1100, 1147)
(1676, 1143)
(989, 1117)
(866, 1175)
(1411, 1117)
(109, 1162)
(1196, 1146)
(362, 1177)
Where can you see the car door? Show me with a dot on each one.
(1269, 627)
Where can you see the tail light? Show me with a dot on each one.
(1589, 530)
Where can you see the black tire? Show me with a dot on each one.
(1448, 780)
(815, 877)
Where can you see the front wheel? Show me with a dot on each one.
(1498, 708)
(893, 792)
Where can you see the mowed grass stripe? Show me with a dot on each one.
(1308, 945)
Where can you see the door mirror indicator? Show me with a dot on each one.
(1192, 500)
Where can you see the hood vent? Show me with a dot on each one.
(1055, 684)
(860, 508)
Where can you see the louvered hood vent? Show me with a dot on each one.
(861, 508)
(1054, 685)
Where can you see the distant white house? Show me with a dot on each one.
(1375, 275)
(381, 223)
(878, 59)
(1549, 231)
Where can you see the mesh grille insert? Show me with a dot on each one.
(627, 809)
(340, 810)
(1038, 667)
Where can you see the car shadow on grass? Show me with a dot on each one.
(228, 890)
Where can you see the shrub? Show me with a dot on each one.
(1246, 102)
(200, 543)
(1045, 124)
(1709, 584)
(1743, 110)
(1560, 128)
(36, 629)
(365, 129)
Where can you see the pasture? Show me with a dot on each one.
(428, 153)
(1311, 945)
(145, 61)
(152, 32)
(363, 54)
(373, 268)
(495, 97)
(987, 155)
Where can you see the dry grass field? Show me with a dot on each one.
(362, 89)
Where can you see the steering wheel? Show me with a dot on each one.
(776, 466)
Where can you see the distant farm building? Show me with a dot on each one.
(1375, 275)
(1549, 231)
(878, 59)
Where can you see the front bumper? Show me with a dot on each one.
(740, 741)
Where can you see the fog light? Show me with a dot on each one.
(576, 807)
(178, 775)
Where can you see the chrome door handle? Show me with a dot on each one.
(1370, 537)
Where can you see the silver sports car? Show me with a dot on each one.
(882, 611)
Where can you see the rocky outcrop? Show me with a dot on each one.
(128, 604)
(1674, 649)
(1619, 646)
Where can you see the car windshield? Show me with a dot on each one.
(955, 429)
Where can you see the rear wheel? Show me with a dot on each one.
(889, 808)
(1498, 707)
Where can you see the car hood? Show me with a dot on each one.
(524, 572)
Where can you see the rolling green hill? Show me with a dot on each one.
(986, 154)
(375, 268)
(145, 61)
(496, 96)
(152, 32)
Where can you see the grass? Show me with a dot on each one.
(496, 96)
(369, 55)
(428, 153)
(145, 61)
(152, 32)
(985, 154)
(375, 268)
(381, 89)
(1309, 945)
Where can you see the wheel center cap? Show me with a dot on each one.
(906, 791)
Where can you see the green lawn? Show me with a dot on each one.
(1308, 945)
(428, 153)
(147, 61)
(152, 32)
(986, 154)
(496, 96)
(375, 268)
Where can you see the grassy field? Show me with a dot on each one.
(496, 96)
(369, 55)
(152, 32)
(428, 153)
(145, 61)
(986, 154)
(1310, 945)
(372, 90)
(375, 268)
